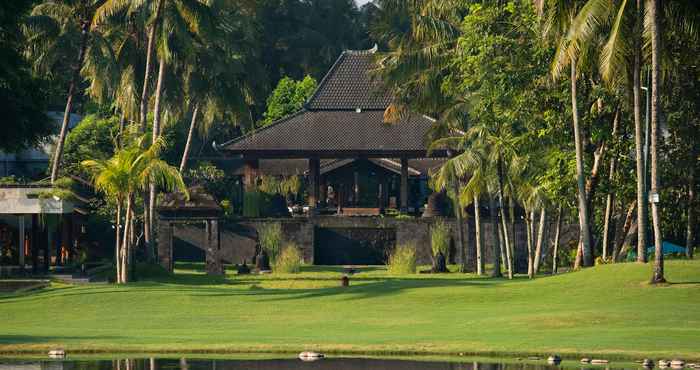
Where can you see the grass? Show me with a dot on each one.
(608, 311)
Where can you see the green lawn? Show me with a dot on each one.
(605, 311)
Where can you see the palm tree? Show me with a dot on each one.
(559, 16)
(532, 198)
(654, 16)
(59, 31)
(219, 76)
(173, 26)
(448, 179)
(121, 177)
(621, 53)
(488, 152)
(152, 11)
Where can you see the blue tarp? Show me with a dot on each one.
(668, 248)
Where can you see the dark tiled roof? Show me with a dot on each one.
(199, 200)
(349, 86)
(336, 131)
(272, 167)
(344, 118)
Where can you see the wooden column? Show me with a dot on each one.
(403, 205)
(34, 243)
(21, 241)
(165, 244)
(323, 190)
(250, 172)
(213, 257)
(314, 181)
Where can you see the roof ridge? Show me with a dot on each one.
(373, 50)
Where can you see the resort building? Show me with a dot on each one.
(360, 171)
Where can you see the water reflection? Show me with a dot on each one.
(281, 364)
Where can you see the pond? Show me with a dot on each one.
(197, 363)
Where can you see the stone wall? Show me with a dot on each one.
(238, 239)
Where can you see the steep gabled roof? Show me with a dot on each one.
(343, 118)
(348, 85)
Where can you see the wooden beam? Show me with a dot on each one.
(314, 181)
(404, 184)
(250, 172)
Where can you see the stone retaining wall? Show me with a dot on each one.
(238, 239)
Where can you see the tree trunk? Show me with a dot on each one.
(477, 237)
(540, 240)
(690, 231)
(624, 242)
(501, 207)
(610, 199)
(58, 153)
(529, 220)
(460, 228)
(555, 248)
(147, 73)
(579, 255)
(511, 229)
(118, 226)
(496, 240)
(658, 276)
(150, 214)
(188, 145)
(585, 232)
(122, 125)
(126, 240)
(642, 215)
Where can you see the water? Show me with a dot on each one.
(287, 363)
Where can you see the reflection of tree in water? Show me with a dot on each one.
(182, 363)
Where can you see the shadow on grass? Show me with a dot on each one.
(30, 339)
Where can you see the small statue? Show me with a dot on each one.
(243, 269)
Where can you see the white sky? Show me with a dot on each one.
(362, 2)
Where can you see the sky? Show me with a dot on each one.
(362, 2)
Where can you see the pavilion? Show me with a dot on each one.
(36, 230)
(342, 139)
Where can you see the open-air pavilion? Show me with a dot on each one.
(343, 126)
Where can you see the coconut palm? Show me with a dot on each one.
(559, 16)
(448, 179)
(654, 20)
(620, 62)
(58, 36)
(219, 77)
(488, 151)
(122, 177)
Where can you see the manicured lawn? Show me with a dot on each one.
(605, 311)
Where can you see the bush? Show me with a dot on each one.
(289, 261)
(440, 238)
(403, 260)
(253, 204)
(270, 237)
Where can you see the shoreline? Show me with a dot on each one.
(268, 352)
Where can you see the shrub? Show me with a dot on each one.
(252, 204)
(403, 260)
(270, 236)
(289, 260)
(440, 238)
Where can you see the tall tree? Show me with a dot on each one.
(654, 19)
(22, 96)
(58, 32)
(121, 177)
(559, 15)
(621, 60)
